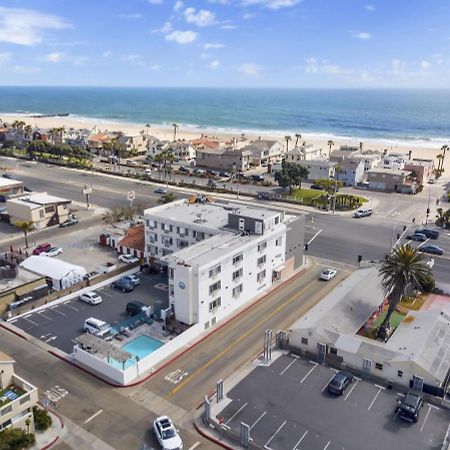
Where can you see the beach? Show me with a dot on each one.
(419, 150)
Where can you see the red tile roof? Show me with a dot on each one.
(135, 238)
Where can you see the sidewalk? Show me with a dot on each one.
(46, 439)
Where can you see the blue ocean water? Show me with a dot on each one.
(418, 116)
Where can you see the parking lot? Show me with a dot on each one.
(59, 325)
(287, 407)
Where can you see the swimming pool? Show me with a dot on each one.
(141, 346)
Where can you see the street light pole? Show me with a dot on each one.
(428, 207)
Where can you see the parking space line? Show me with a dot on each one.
(41, 313)
(380, 388)
(300, 440)
(426, 418)
(287, 367)
(71, 307)
(93, 416)
(236, 413)
(107, 294)
(13, 321)
(350, 391)
(266, 446)
(309, 373)
(57, 311)
(326, 446)
(194, 446)
(258, 419)
(29, 320)
(328, 382)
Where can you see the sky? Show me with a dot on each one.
(226, 43)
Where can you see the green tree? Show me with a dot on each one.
(26, 227)
(16, 439)
(165, 158)
(167, 198)
(42, 419)
(291, 175)
(401, 269)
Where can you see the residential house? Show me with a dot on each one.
(306, 152)
(370, 158)
(133, 243)
(17, 397)
(131, 144)
(317, 168)
(97, 142)
(77, 138)
(393, 161)
(391, 180)
(264, 151)
(224, 158)
(421, 169)
(183, 151)
(39, 208)
(350, 171)
(206, 142)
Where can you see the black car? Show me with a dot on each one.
(420, 237)
(409, 407)
(183, 169)
(264, 195)
(317, 187)
(7, 175)
(224, 174)
(432, 249)
(123, 285)
(431, 234)
(257, 178)
(135, 307)
(339, 383)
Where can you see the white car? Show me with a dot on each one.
(54, 251)
(327, 274)
(92, 298)
(167, 434)
(128, 259)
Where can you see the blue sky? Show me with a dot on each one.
(226, 43)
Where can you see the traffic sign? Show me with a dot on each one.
(131, 195)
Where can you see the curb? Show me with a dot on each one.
(211, 438)
(52, 443)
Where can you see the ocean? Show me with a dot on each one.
(417, 117)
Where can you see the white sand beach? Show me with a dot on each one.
(166, 133)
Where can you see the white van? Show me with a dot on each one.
(363, 212)
(96, 326)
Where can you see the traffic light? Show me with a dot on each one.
(306, 247)
(404, 227)
(428, 210)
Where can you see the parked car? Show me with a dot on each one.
(41, 248)
(257, 178)
(92, 298)
(432, 249)
(135, 307)
(183, 169)
(128, 259)
(316, 187)
(96, 326)
(123, 285)
(224, 174)
(328, 274)
(339, 383)
(161, 190)
(211, 173)
(432, 234)
(53, 251)
(409, 407)
(167, 434)
(265, 195)
(7, 175)
(365, 212)
(199, 172)
(133, 278)
(211, 183)
(69, 222)
(27, 189)
(420, 237)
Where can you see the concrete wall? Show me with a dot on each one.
(10, 296)
(295, 241)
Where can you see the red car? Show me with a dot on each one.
(41, 248)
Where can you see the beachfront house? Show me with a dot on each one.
(421, 169)
(391, 180)
(305, 152)
(264, 151)
(131, 144)
(317, 168)
(350, 171)
(99, 143)
(224, 158)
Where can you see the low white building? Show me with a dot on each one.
(318, 168)
(60, 274)
(418, 349)
(306, 152)
(394, 161)
(220, 256)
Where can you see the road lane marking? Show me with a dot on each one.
(426, 418)
(380, 388)
(258, 419)
(287, 367)
(93, 416)
(266, 446)
(328, 382)
(309, 373)
(194, 446)
(243, 336)
(317, 234)
(326, 446)
(236, 413)
(351, 390)
(300, 440)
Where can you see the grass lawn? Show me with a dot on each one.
(360, 199)
(306, 195)
(396, 318)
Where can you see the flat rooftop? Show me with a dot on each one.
(23, 276)
(39, 199)
(6, 183)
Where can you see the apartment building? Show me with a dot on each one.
(17, 397)
(220, 256)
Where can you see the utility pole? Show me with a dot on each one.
(334, 197)
(428, 207)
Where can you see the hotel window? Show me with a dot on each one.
(379, 366)
(171, 273)
(6, 410)
(214, 287)
(237, 290)
(181, 243)
(238, 274)
(152, 224)
(279, 241)
(171, 290)
(333, 351)
(304, 341)
(214, 271)
(215, 304)
(166, 240)
(400, 373)
(261, 276)
(261, 261)
(49, 209)
(277, 220)
(238, 258)
(262, 246)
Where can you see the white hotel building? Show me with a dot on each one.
(220, 255)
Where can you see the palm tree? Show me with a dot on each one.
(361, 146)
(330, 144)
(401, 269)
(147, 126)
(175, 128)
(297, 137)
(26, 227)
(444, 150)
(28, 132)
(439, 158)
(288, 138)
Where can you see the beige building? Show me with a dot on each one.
(136, 143)
(42, 209)
(391, 180)
(304, 153)
(17, 397)
(10, 188)
(422, 169)
(264, 151)
(224, 158)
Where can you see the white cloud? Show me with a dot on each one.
(250, 70)
(333, 69)
(178, 5)
(182, 37)
(201, 18)
(130, 16)
(212, 45)
(155, 67)
(26, 26)
(228, 27)
(425, 65)
(107, 54)
(363, 35)
(5, 57)
(397, 66)
(25, 69)
(248, 16)
(155, 2)
(205, 56)
(166, 28)
(370, 7)
(55, 57)
(214, 64)
(132, 57)
(271, 4)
